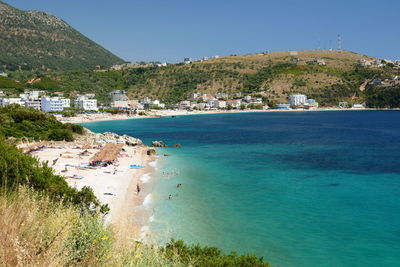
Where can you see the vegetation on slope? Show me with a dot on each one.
(50, 233)
(383, 96)
(17, 168)
(37, 40)
(272, 75)
(18, 122)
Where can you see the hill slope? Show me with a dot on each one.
(38, 40)
(271, 75)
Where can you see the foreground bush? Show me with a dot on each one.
(17, 121)
(209, 256)
(36, 231)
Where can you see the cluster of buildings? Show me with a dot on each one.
(55, 103)
(393, 81)
(120, 100)
(299, 101)
(188, 60)
(133, 65)
(201, 101)
(377, 63)
(371, 63)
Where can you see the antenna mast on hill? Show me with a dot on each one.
(339, 42)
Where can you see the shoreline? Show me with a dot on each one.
(167, 113)
(114, 185)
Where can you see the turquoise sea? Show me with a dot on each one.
(299, 188)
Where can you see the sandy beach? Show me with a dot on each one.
(114, 184)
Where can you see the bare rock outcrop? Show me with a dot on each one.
(158, 144)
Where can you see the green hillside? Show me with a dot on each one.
(271, 75)
(37, 40)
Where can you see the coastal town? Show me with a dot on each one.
(120, 103)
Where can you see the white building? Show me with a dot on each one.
(30, 95)
(296, 100)
(194, 96)
(157, 103)
(164, 64)
(135, 105)
(118, 95)
(9, 101)
(145, 100)
(320, 61)
(83, 102)
(256, 101)
(53, 104)
(3, 74)
(215, 103)
(34, 95)
(120, 104)
(357, 106)
(234, 103)
(36, 104)
(222, 95)
(66, 102)
(184, 104)
(90, 95)
(247, 98)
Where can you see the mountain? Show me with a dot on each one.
(38, 40)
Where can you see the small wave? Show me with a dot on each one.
(144, 230)
(147, 200)
(145, 178)
(153, 163)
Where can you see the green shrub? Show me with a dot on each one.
(61, 135)
(210, 256)
(17, 121)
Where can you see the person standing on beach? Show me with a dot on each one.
(138, 188)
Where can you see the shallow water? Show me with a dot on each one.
(300, 188)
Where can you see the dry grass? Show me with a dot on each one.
(38, 232)
(334, 59)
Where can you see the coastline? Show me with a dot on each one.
(114, 185)
(165, 113)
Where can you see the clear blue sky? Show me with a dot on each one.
(169, 30)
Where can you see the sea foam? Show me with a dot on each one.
(153, 163)
(147, 200)
(145, 178)
(144, 230)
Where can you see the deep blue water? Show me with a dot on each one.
(300, 188)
